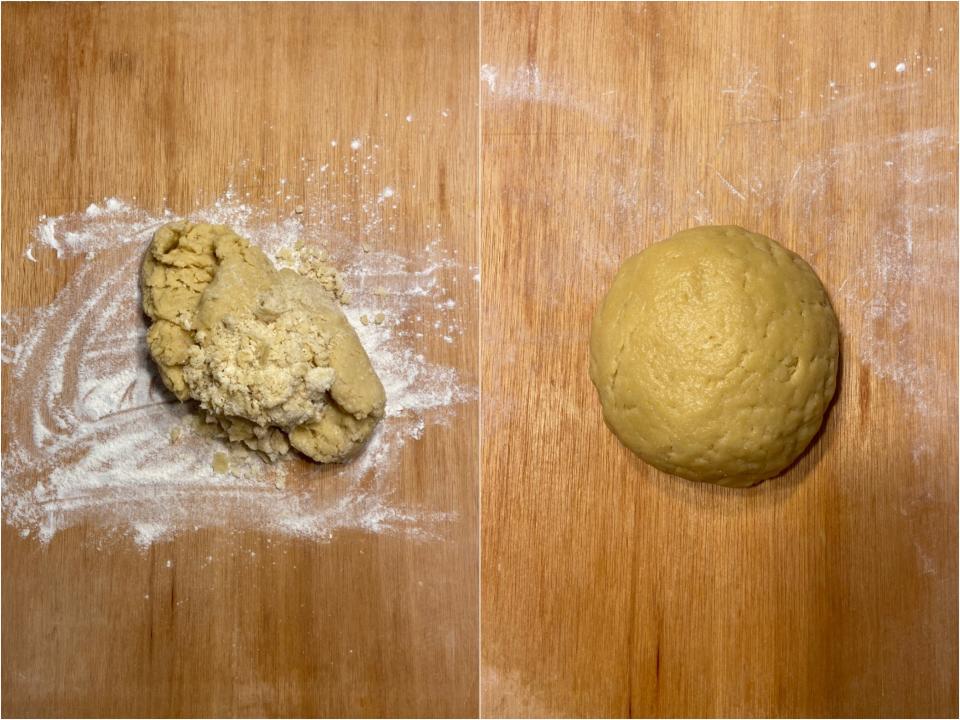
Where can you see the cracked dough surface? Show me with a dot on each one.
(715, 355)
(267, 353)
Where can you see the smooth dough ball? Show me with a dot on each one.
(715, 355)
(267, 354)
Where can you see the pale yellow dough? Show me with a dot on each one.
(267, 353)
(715, 355)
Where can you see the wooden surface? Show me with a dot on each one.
(161, 103)
(609, 588)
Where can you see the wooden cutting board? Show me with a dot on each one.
(167, 104)
(610, 588)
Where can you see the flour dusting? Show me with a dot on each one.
(526, 84)
(96, 439)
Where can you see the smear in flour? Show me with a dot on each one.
(527, 84)
(95, 438)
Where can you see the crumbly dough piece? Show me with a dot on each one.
(715, 355)
(268, 354)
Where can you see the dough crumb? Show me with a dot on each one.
(239, 452)
(312, 262)
(221, 463)
(365, 320)
(206, 426)
(175, 434)
(298, 209)
(378, 318)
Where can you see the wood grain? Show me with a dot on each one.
(608, 588)
(162, 102)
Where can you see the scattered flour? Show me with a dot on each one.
(99, 227)
(526, 84)
(94, 437)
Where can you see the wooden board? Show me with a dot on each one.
(161, 102)
(608, 588)
(611, 589)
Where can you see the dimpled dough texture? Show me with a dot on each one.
(715, 355)
(267, 353)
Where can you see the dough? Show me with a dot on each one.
(715, 355)
(267, 353)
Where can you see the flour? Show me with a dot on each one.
(488, 74)
(729, 186)
(880, 288)
(99, 227)
(95, 438)
(526, 84)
